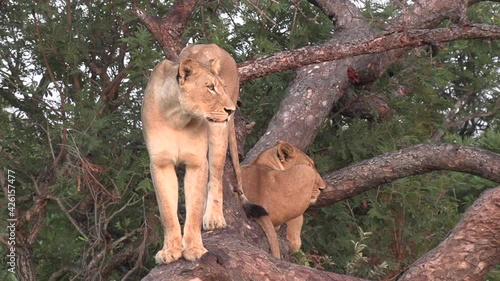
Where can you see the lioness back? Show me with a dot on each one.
(284, 181)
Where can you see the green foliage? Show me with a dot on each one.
(53, 99)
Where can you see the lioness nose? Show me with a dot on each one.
(229, 110)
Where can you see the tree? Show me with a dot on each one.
(72, 79)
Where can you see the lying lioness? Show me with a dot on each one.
(186, 114)
(285, 182)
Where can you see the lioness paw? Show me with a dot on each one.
(165, 256)
(194, 253)
(212, 221)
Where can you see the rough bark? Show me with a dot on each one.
(317, 87)
(472, 248)
(25, 268)
(419, 159)
(231, 259)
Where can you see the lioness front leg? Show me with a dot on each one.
(217, 148)
(293, 229)
(195, 189)
(166, 189)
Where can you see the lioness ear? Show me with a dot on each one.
(285, 151)
(215, 65)
(187, 68)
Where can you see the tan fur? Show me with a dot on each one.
(186, 113)
(285, 182)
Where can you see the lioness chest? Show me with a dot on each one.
(168, 145)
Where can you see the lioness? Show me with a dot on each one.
(285, 182)
(186, 113)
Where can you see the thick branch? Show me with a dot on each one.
(416, 160)
(231, 259)
(402, 39)
(168, 29)
(472, 248)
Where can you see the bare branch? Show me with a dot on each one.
(69, 216)
(260, 11)
(320, 53)
(415, 160)
(3, 239)
(489, 113)
(58, 275)
(93, 265)
(62, 93)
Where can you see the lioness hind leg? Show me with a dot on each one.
(195, 182)
(166, 189)
(293, 229)
(217, 149)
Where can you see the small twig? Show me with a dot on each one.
(296, 3)
(59, 157)
(68, 215)
(111, 246)
(261, 12)
(128, 204)
(142, 249)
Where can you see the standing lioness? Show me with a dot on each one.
(186, 114)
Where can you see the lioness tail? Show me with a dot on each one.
(262, 216)
(250, 209)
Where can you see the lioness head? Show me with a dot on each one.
(202, 91)
(283, 156)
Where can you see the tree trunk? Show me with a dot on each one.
(470, 251)
(25, 269)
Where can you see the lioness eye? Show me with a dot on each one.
(211, 87)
